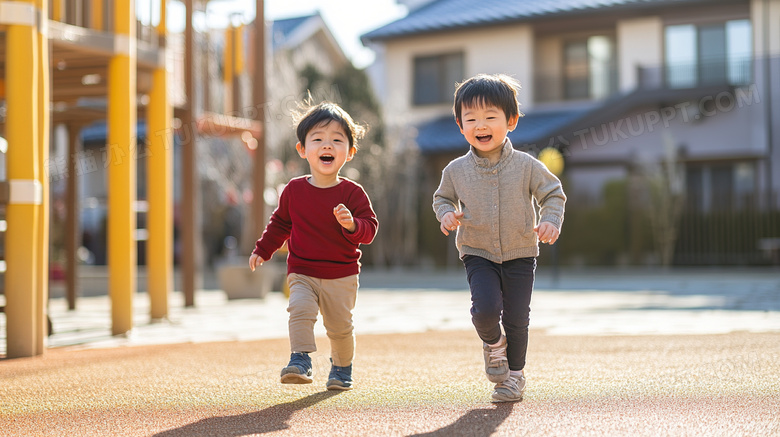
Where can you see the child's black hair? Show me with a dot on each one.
(497, 90)
(322, 114)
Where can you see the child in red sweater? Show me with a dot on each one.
(324, 218)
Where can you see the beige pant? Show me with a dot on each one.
(335, 299)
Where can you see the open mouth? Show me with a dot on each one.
(327, 159)
(484, 138)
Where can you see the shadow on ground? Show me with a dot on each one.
(271, 419)
(483, 421)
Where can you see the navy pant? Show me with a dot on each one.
(501, 295)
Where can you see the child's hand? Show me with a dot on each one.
(450, 222)
(547, 232)
(255, 261)
(344, 217)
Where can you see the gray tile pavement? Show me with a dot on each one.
(589, 302)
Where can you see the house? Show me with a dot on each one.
(629, 91)
(307, 40)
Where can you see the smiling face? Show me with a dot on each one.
(326, 149)
(485, 127)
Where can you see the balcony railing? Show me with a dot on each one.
(575, 84)
(558, 87)
(722, 71)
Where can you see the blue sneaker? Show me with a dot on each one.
(340, 378)
(298, 371)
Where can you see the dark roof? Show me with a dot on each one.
(442, 15)
(282, 29)
(442, 135)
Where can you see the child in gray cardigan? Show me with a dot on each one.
(487, 196)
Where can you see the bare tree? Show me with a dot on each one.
(665, 183)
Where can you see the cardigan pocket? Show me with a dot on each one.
(473, 223)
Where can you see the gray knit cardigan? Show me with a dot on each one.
(497, 203)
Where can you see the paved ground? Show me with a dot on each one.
(593, 302)
(611, 353)
(409, 384)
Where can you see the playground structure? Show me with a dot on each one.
(70, 63)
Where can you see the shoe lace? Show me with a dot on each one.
(497, 354)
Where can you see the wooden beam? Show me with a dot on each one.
(188, 168)
(221, 125)
(258, 99)
(72, 217)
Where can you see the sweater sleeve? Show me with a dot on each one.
(445, 199)
(366, 223)
(546, 188)
(278, 229)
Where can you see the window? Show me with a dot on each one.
(708, 54)
(739, 47)
(435, 78)
(589, 68)
(712, 54)
(680, 56)
(576, 70)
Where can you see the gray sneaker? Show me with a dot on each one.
(298, 371)
(496, 364)
(511, 390)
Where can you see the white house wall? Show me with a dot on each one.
(763, 13)
(500, 49)
(639, 43)
(511, 52)
(397, 100)
(317, 52)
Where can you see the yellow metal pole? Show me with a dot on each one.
(162, 25)
(56, 12)
(238, 50)
(227, 70)
(22, 170)
(96, 14)
(120, 155)
(159, 136)
(43, 159)
(238, 68)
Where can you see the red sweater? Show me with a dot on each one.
(318, 245)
